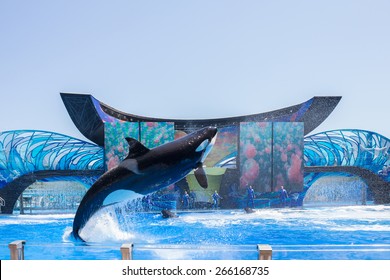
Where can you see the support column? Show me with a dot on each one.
(127, 251)
(265, 252)
(17, 249)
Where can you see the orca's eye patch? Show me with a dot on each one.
(202, 146)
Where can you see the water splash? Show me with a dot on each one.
(337, 190)
(104, 227)
(233, 226)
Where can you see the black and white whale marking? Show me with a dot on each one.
(147, 170)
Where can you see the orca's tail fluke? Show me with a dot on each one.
(89, 205)
(76, 236)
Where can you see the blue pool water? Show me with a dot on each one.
(350, 232)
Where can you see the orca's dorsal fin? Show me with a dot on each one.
(136, 149)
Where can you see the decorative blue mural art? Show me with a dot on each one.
(348, 148)
(27, 151)
(347, 165)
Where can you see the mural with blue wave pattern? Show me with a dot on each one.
(348, 147)
(26, 151)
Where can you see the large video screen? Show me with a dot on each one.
(150, 134)
(116, 147)
(154, 134)
(271, 156)
(256, 156)
(288, 156)
(224, 151)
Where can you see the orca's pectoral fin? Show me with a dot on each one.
(201, 177)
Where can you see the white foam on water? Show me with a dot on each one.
(382, 228)
(330, 218)
(67, 235)
(104, 226)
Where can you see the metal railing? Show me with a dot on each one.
(17, 250)
(139, 251)
(264, 250)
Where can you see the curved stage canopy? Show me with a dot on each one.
(89, 115)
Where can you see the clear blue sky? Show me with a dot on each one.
(194, 59)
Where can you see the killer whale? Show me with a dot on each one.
(168, 214)
(146, 170)
(249, 210)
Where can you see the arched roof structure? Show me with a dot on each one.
(90, 114)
